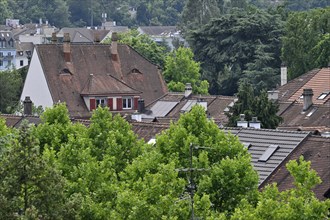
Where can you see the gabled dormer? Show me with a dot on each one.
(106, 90)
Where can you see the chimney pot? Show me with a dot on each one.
(242, 123)
(187, 90)
(255, 123)
(308, 98)
(66, 37)
(284, 74)
(27, 106)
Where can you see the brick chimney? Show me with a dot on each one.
(114, 45)
(141, 105)
(27, 103)
(54, 38)
(284, 74)
(308, 98)
(67, 47)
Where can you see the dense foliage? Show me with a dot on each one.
(254, 106)
(306, 41)
(181, 68)
(61, 170)
(242, 44)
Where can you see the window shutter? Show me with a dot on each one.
(110, 103)
(135, 107)
(119, 104)
(92, 104)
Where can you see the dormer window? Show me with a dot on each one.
(127, 103)
(100, 102)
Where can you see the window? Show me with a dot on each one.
(21, 62)
(1, 54)
(127, 103)
(323, 95)
(9, 54)
(1, 63)
(100, 102)
(9, 62)
(268, 153)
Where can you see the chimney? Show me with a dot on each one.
(114, 44)
(255, 123)
(273, 95)
(141, 105)
(308, 98)
(40, 21)
(67, 47)
(187, 90)
(284, 74)
(97, 37)
(54, 38)
(242, 123)
(27, 106)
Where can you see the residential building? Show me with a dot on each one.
(24, 52)
(7, 50)
(87, 75)
(305, 102)
(83, 35)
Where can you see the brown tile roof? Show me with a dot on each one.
(16, 120)
(315, 149)
(66, 80)
(317, 117)
(216, 105)
(318, 80)
(148, 130)
(106, 85)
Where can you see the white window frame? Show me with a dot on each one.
(127, 102)
(323, 95)
(100, 102)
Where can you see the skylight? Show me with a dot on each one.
(323, 95)
(311, 112)
(268, 153)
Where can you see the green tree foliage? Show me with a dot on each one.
(29, 182)
(156, 188)
(296, 5)
(10, 90)
(180, 68)
(254, 106)
(296, 203)
(237, 42)
(305, 41)
(144, 45)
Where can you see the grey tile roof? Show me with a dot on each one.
(261, 139)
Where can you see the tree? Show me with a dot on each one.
(305, 40)
(229, 45)
(30, 184)
(296, 203)
(144, 45)
(180, 68)
(10, 90)
(155, 187)
(254, 106)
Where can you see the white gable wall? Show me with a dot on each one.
(35, 84)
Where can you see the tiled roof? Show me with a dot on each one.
(83, 35)
(216, 105)
(261, 139)
(96, 59)
(315, 149)
(24, 46)
(16, 120)
(148, 130)
(317, 117)
(106, 85)
(158, 30)
(318, 80)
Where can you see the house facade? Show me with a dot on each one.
(7, 50)
(85, 76)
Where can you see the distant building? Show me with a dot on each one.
(7, 50)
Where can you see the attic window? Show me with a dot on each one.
(323, 95)
(65, 71)
(311, 112)
(135, 71)
(247, 145)
(268, 153)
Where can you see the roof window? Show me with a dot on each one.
(268, 153)
(323, 95)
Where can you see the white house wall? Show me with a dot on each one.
(35, 84)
